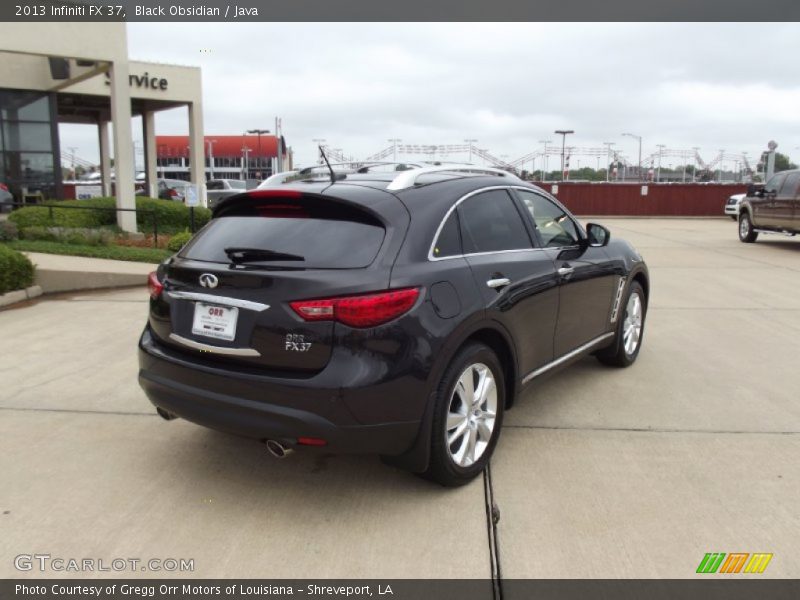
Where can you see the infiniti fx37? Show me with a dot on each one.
(396, 313)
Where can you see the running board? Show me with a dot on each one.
(579, 350)
(772, 231)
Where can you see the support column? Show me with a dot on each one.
(124, 172)
(197, 163)
(105, 159)
(150, 156)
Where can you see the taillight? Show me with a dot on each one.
(173, 193)
(3, 187)
(367, 310)
(154, 286)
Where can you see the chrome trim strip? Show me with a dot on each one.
(223, 300)
(566, 357)
(215, 349)
(450, 210)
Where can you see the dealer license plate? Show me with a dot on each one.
(215, 321)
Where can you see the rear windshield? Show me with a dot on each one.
(215, 185)
(322, 239)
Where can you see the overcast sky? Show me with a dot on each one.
(730, 86)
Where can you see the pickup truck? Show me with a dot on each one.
(773, 209)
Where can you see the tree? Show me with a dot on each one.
(782, 163)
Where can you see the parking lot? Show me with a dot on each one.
(600, 473)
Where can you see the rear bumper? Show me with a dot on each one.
(255, 407)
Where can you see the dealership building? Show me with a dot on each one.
(53, 73)
(253, 157)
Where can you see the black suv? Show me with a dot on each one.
(395, 313)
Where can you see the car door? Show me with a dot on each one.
(785, 200)
(765, 207)
(587, 279)
(517, 280)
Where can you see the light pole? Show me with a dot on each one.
(563, 133)
(719, 173)
(608, 158)
(637, 137)
(210, 149)
(259, 133)
(470, 142)
(660, 150)
(694, 165)
(245, 162)
(544, 158)
(394, 142)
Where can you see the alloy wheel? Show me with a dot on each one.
(744, 227)
(632, 325)
(471, 415)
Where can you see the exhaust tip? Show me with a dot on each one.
(277, 449)
(165, 415)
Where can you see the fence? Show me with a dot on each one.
(662, 199)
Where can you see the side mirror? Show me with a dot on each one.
(597, 235)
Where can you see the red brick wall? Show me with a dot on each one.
(663, 199)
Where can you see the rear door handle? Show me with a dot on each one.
(498, 283)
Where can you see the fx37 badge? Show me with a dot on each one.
(297, 343)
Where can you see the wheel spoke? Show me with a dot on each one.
(455, 419)
(485, 427)
(459, 431)
(466, 388)
(472, 437)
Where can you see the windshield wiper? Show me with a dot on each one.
(240, 255)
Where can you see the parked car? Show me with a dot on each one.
(217, 189)
(172, 189)
(732, 205)
(391, 313)
(6, 198)
(773, 209)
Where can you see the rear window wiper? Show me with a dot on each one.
(240, 255)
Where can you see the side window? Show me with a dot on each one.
(449, 241)
(555, 226)
(490, 223)
(775, 182)
(789, 188)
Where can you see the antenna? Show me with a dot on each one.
(330, 168)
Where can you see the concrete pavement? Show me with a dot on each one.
(600, 472)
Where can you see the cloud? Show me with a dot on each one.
(508, 85)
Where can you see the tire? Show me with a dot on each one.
(630, 330)
(450, 464)
(747, 233)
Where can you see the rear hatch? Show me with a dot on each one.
(227, 294)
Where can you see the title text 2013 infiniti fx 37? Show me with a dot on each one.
(393, 313)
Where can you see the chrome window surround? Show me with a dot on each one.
(433, 258)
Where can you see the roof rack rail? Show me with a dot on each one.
(407, 179)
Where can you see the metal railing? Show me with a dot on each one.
(51, 216)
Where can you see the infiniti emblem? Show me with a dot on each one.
(208, 280)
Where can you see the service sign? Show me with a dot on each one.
(191, 197)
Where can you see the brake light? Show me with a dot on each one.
(366, 310)
(154, 286)
(3, 187)
(173, 193)
(274, 194)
